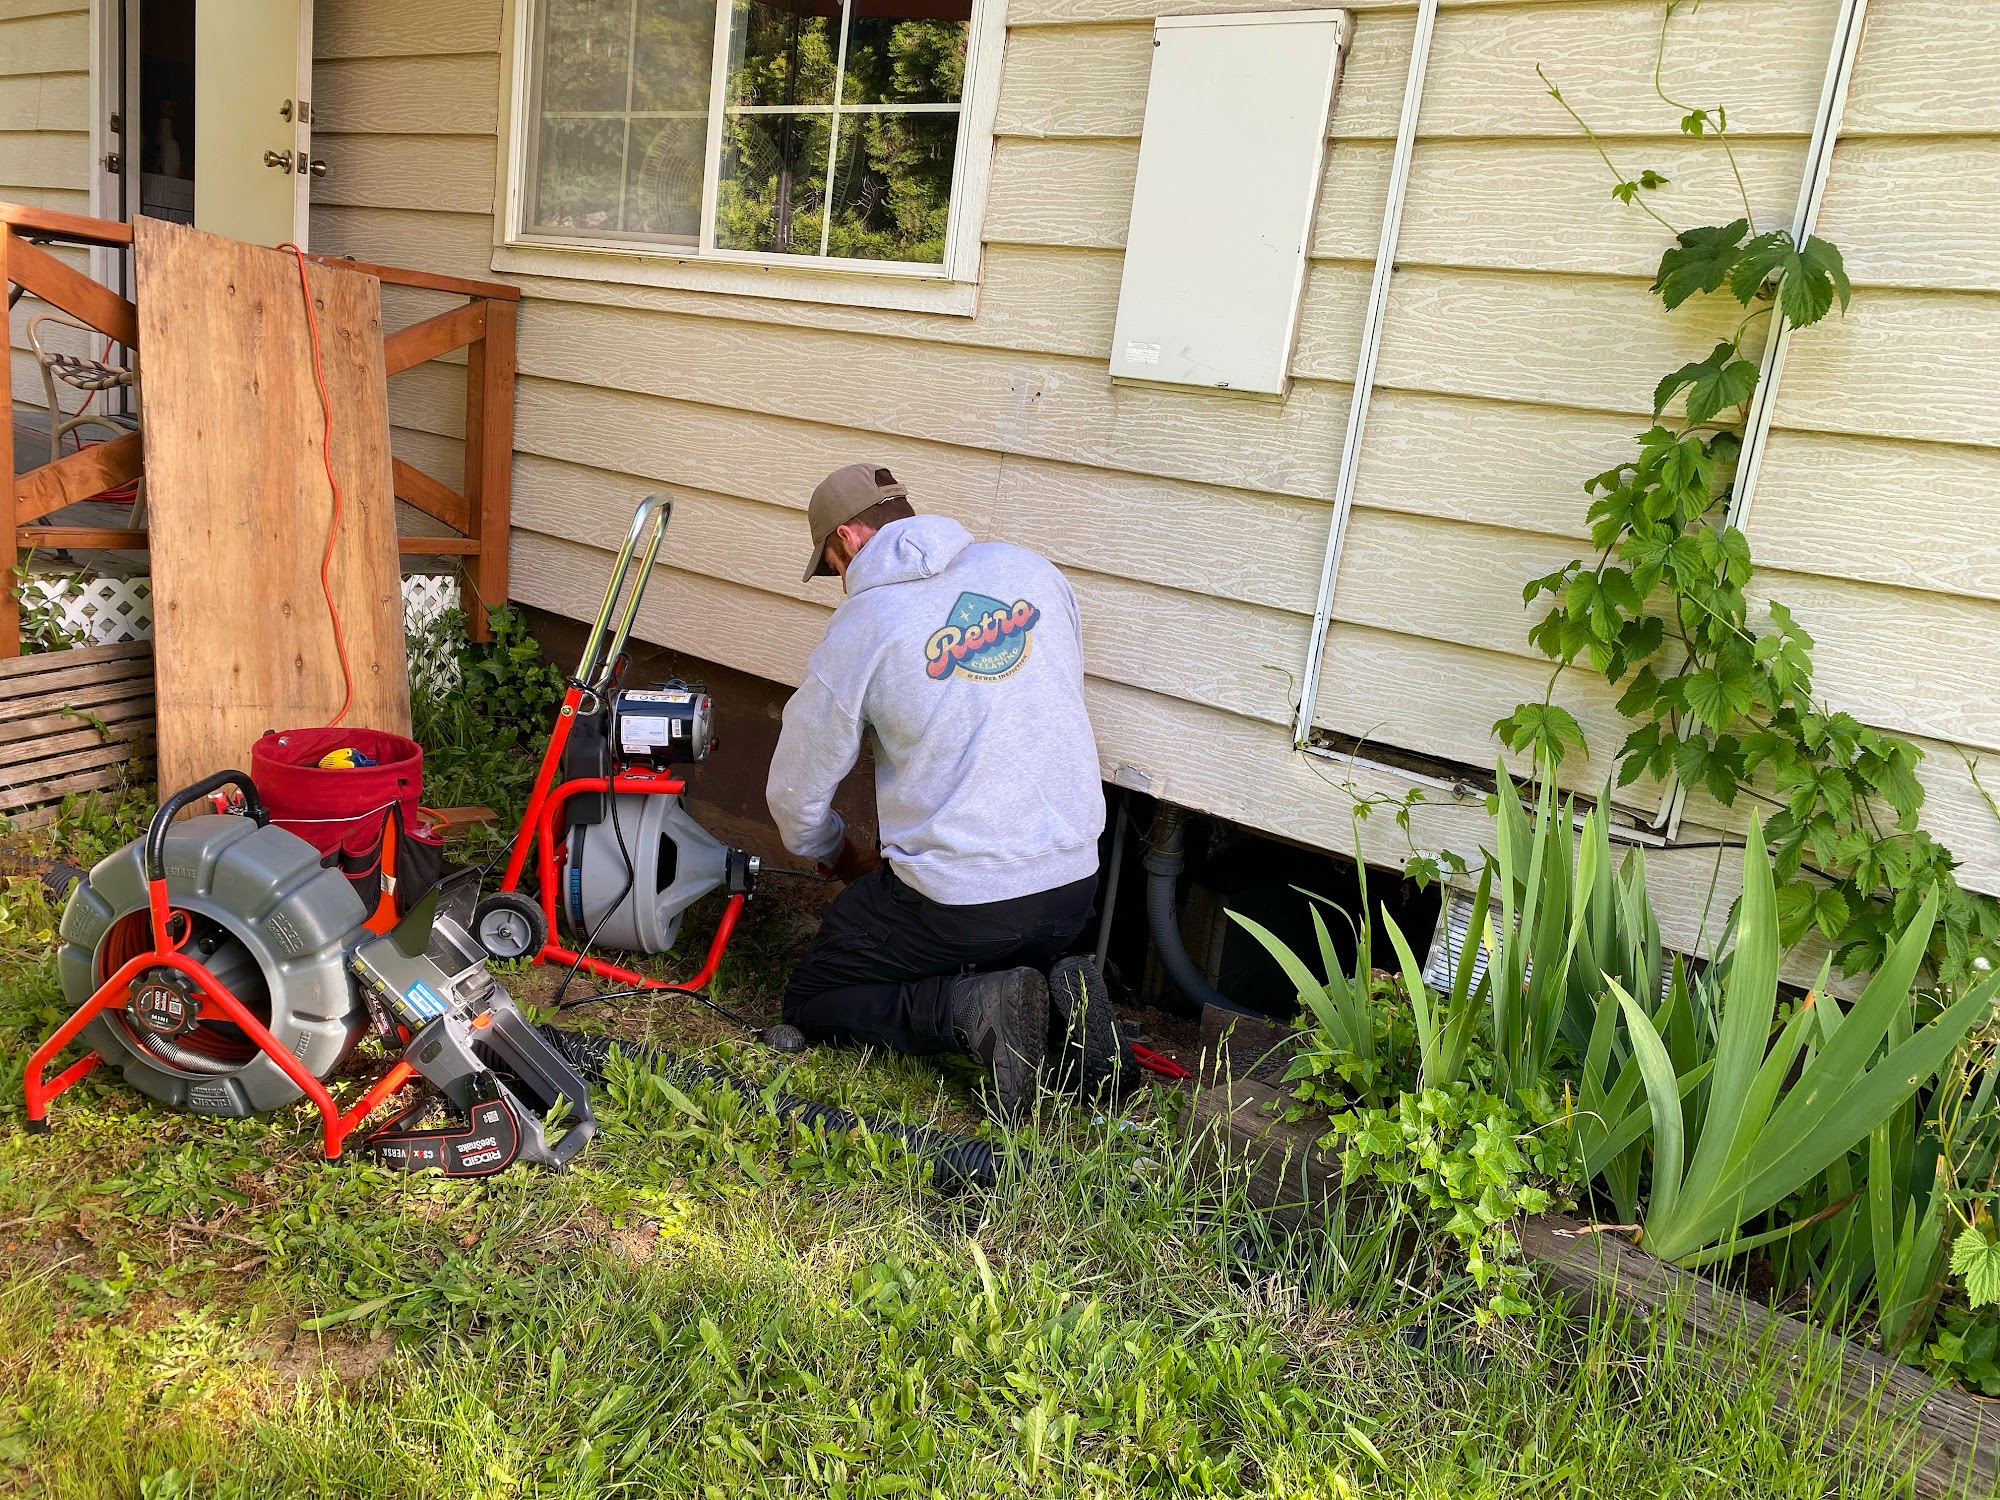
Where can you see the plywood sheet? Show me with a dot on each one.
(239, 501)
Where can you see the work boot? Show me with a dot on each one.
(1003, 1020)
(1084, 1043)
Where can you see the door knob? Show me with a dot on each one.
(282, 160)
(317, 167)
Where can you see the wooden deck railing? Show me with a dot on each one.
(484, 327)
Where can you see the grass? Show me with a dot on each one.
(714, 1304)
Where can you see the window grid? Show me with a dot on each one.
(719, 110)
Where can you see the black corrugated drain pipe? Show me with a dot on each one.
(957, 1161)
(1165, 859)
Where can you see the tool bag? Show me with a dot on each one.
(364, 820)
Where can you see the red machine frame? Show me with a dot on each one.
(539, 823)
(217, 1003)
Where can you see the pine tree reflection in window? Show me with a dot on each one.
(839, 123)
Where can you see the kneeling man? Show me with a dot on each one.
(963, 661)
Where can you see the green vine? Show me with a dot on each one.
(1663, 613)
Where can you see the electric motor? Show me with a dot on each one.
(659, 726)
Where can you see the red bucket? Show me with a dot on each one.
(345, 813)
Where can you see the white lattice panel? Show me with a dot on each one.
(426, 596)
(100, 611)
(107, 611)
(427, 599)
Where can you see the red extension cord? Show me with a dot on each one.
(326, 456)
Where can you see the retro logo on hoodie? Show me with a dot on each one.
(981, 638)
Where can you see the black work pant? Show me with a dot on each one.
(878, 971)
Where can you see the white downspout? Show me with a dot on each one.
(1847, 32)
(1848, 28)
(1364, 369)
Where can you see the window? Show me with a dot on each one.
(822, 132)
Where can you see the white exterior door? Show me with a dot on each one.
(253, 147)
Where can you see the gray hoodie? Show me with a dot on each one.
(964, 660)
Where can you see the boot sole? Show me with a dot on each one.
(1017, 1067)
(1090, 1057)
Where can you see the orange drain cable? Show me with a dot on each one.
(326, 456)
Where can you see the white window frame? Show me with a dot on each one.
(949, 287)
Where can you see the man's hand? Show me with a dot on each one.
(852, 862)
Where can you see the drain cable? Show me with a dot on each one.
(957, 1161)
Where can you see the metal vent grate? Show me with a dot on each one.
(1441, 965)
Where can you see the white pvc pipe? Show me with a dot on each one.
(1364, 369)
(1847, 32)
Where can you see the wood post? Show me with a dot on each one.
(489, 462)
(10, 599)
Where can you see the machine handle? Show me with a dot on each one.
(656, 510)
(156, 831)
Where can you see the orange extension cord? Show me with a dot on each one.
(326, 456)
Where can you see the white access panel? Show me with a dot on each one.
(1222, 213)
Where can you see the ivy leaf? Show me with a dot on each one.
(1700, 261)
(1975, 1260)
(1808, 279)
(1650, 179)
(1830, 913)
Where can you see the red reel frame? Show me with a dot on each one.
(217, 1003)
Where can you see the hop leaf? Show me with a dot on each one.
(1711, 384)
(1975, 1260)
(1544, 728)
(1808, 279)
(1700, 262)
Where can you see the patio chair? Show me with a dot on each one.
(80, 372)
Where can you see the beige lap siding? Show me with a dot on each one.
(44, 135)
(1519, 355)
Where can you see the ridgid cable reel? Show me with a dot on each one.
(257, 909)
(223, 968)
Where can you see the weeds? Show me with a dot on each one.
(481, 711)
(719, 1302)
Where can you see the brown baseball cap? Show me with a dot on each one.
(841, 496)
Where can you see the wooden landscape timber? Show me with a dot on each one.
(72, 722)
(1953, 1438)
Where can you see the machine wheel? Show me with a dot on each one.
(266, 918)
(510, 926)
